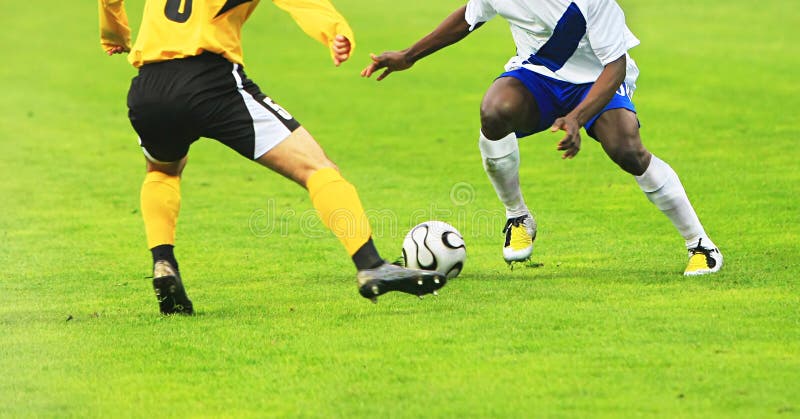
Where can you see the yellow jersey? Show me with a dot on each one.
(182, 28)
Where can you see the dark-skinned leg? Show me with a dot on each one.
(617, 130)
(509, 107)
(618, 133)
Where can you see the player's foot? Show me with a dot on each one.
(703, 260)
(520, 234)
(171, 295)
(388, 277)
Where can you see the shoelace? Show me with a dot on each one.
(700, 249)
(514, 221)
(710, 261)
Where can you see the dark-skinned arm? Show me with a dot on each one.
(598, 97)
(453, 29)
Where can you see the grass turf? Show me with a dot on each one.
(606, 326)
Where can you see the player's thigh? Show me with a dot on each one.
(258, 128)
(507, 106)
(617, 130)
(245, 119)
(159, 116)
(296, 157)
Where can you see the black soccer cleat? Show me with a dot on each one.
(171, 295)
(387, 277)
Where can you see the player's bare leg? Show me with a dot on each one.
(160, 203)
(618, 132)
(508, 107)
(300, 158)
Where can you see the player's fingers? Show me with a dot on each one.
(566, 142)
(384, 74)
(377, 61)
(341, 46)
(572, 152)
(368, 70)
(340, 58)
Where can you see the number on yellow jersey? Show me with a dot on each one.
(174, 12)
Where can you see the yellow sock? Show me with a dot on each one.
(339, 207)
(161, 201)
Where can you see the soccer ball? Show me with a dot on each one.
(435, 246)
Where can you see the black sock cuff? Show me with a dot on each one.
(367, 257)
(164, 252)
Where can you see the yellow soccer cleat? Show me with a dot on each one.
(703, 260)
(520, 234)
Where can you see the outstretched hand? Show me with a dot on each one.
(390, 60)
(571, 143)
(341, 49)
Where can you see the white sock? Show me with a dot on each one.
(663, 188)
(501, 164)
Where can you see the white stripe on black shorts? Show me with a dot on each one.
(173, 103)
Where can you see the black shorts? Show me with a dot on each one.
(173, 103)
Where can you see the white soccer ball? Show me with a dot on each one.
(435, 246)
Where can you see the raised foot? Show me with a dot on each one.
(373, 283)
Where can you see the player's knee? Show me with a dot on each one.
(171, 169)
(497, 118)
(304, 171)
(631, 159)
(327, 163)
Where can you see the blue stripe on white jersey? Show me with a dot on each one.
(568, 32)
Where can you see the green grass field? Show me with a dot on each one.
(606, 327)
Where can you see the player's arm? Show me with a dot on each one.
(599, 95)
(115, 34)
(453, 29)
(321, 21)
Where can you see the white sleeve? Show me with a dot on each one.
(609, 36)
(478, 11)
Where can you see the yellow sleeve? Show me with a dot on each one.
(114, 29)
(319, 19)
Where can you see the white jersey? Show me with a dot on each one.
(566, 40)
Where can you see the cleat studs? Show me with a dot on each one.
(374, 300)
(421, 297)
(376, 290)
(436, 281)
(435, 294)
(419, 282)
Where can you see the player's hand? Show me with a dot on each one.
(114, 49)
(571, 143)
(390, 60)
(341, 48)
